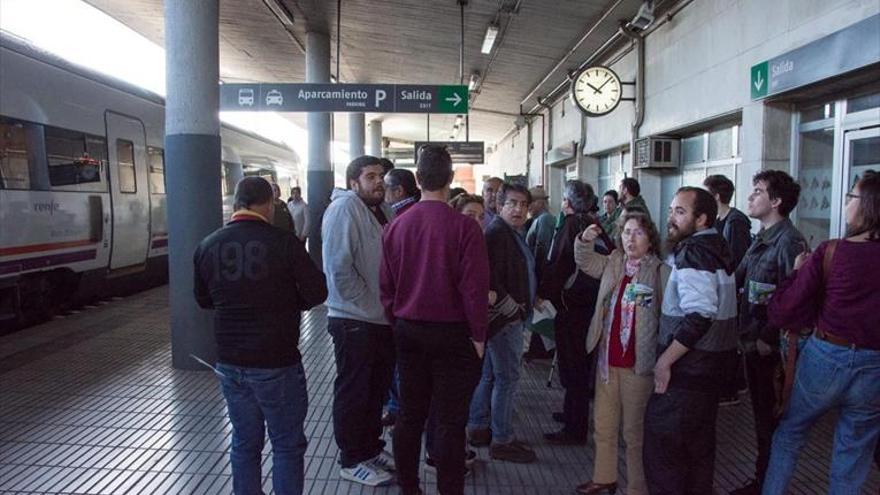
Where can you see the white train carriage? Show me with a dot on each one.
(82, 183)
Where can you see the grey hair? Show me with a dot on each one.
(580, 196)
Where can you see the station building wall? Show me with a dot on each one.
(697, 74)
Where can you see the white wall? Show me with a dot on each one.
(698, 68)
(510, 156)
(566, 123)
(697, 65)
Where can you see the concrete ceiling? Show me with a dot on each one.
(409, 41)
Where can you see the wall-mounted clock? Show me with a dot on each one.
(596, 90)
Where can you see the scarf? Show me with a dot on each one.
(245, 214)
(627, 315)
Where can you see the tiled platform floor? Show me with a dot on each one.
(90, 404)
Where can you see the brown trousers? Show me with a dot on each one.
(624, 397)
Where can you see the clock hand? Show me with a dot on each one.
(599, 89)
(594, 88)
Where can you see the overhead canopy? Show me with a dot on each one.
(409, 41)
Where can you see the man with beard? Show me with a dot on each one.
(362, 339)
(696, 340)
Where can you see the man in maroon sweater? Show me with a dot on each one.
(435, 290)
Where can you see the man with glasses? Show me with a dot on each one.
(512, 287)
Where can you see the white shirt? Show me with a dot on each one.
(299, 210)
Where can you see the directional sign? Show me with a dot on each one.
(380, 98)
(840, 52)
(472, 152)
(760, 80)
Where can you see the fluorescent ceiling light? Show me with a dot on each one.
(280, 10)
(489, 39)
(474, 81)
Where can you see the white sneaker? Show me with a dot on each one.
(384, 461)
(366, 474)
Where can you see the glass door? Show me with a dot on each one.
(861, 152)
(815, 174)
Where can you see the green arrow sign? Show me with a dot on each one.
(452, 99)
(760, 80)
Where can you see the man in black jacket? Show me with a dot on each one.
(767, 263)
(257, 278)
(736, 228)
(696, 338)
(512, 293)
(573, 294)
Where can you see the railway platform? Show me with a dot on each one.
(91, 404)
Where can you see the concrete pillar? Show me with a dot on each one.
(193, 161)
(376, 138)
(356, 135)
(319, 171)
(765, 144)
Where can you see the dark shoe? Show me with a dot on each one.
(388, 419)
(559, 417)
(590, 488)
(563, 437)
(469, 458)
(480, 438)
(752, 487)
(514, 451)
(732, 400)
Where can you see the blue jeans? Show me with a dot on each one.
(256, 398)
(830, 377)
(493, 399)
(393, 403)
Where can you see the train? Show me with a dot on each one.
(82, 183)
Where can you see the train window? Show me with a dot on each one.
(156, 157)
(14, 159)
(125, 166)
(70, 163)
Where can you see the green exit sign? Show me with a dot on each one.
(452, 99)
(759, 82)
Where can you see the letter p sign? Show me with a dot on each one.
(380, 96)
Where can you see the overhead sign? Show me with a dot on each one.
(472, 152)
(850, 48)
(380, 98)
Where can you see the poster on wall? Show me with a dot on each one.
(815, 193)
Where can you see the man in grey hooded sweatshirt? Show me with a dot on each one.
(362, 339)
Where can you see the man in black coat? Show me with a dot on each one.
(257, 278)
(512, 294)
(573, 294)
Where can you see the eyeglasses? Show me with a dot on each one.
(516, 204)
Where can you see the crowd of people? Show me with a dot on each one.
(430, 296)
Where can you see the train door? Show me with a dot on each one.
(129, 191)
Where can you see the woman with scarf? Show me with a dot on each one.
(624, 329)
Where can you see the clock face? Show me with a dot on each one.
(596, 90)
